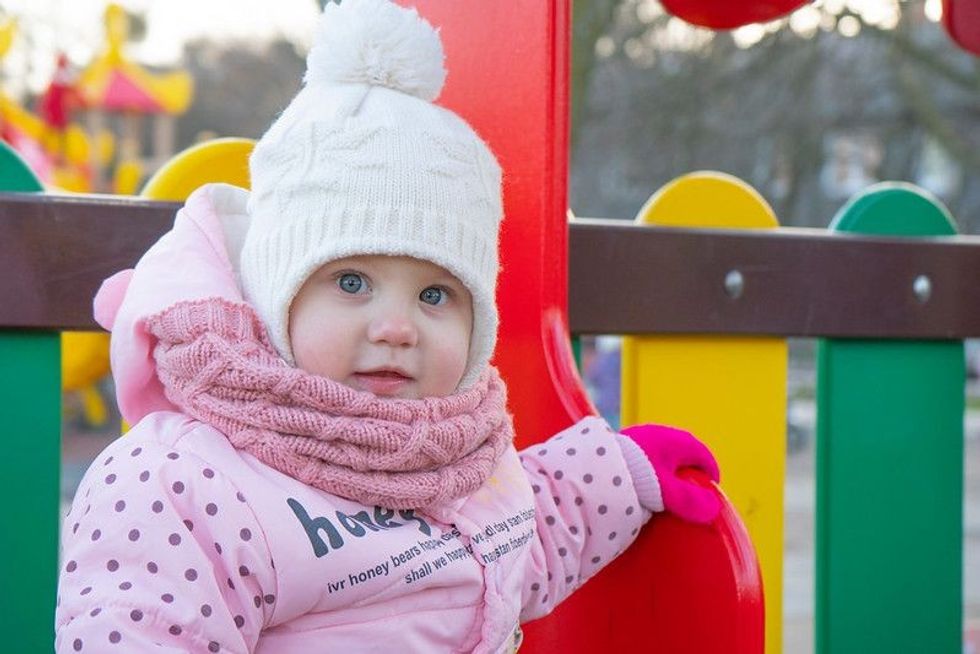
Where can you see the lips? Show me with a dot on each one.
(382, 381)
(385, 373)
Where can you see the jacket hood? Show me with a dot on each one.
(197, 259)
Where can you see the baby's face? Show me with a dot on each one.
(393, 326)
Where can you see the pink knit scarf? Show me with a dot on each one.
(217, 365)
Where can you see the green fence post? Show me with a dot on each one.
(30, 385)
(890, 469)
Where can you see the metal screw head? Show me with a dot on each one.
(922, 287)
(734, 284)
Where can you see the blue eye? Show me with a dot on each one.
(351, 283)
(433, 295)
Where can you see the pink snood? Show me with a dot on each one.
(216, 363)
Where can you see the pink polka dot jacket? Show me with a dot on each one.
(178, 542)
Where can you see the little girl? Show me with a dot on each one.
(321, 457)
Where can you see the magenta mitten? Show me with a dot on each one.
(670, 450)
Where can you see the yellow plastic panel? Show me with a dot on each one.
(729, 390)
(127, 178)
(220, 160)
(84, 359)
(8, 30)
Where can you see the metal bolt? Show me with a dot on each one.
(922, 287)
(734, 284)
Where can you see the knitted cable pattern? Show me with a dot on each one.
(216, 363)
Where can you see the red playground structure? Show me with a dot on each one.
(680, 588)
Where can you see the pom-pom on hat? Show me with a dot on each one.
(361, 162)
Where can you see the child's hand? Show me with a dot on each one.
(670, 450)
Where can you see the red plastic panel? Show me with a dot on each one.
(729, 15)
(962, 21)
(508, 71)
(508, 76)
(680, 589)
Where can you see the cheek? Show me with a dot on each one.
(319, 346)
(455, 362)
(453, 355)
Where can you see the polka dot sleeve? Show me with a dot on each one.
(161, 553)
(586, 509)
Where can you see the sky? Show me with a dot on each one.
(76, 26)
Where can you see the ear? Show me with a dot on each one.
(109, 298)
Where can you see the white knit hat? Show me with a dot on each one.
(361, 162)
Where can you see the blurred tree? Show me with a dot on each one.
(808, 109)
(591, 20)
(241, 88)
(137, 25)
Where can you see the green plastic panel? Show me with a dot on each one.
(30, 385)
(890, 469)
(15, 175)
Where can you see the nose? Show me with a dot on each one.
(394, 328)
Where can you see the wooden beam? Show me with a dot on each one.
(795, 282)
(623, 278)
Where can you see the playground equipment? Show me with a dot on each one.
(58, 154)
(8, 28)
(666, 377)
(962, 20)
(221, 160)
(113, 84)
(704, 593)
(84, 355)
(682, 286)
(729, 15)
(536, 341)
(899, 404)
(61, 153)
(526, 125)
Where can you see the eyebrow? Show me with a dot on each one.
(450, 281)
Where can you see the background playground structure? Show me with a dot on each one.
(111, 88)
(65, 157)
(904, 313)
(60, 155)
(114, 84)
